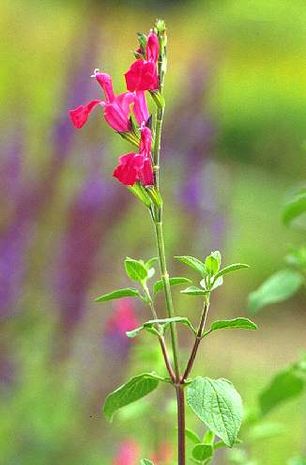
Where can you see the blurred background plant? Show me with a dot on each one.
(234, 133)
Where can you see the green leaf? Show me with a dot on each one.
(150, 325)
(133, 390)
(213, 262)
(283, 387)
(294, 208)
(135, 269)
(236, 323)
(277, 288)
(119, 294)
(218, 405)
(146, 462)
(192, 436)
(231, 268)
(193, 262)
(194, 290)
(158, 286)
(150, 263)
(202, 452)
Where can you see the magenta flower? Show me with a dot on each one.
(143, 74)
(137, 167)
(117, 108)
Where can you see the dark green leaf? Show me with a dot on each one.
(236, 323)
(202, 452)
(218, 405)
(163, 322)
(277, 288)
(133, 390)
(158, 286)
(118, 294)
(294, 208)
(193, 262)
(135, 269)
(231, 268)
(193, 290)
(283, 387)
(146, 462)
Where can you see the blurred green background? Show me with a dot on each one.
(233, 150)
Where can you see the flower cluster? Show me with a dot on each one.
(119, 110)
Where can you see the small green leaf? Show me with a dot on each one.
(193, 262)
(146, 462)
(135, 269)
(150, 263)
(193, 290)
(137, 189)
(294, 208)
(192, 436)
(202, 452)
(150, 325)
(118, 294)
(277, 288)
(284, 386)
(236, 323)
(158, 286)
(133, 390)
(231, 268)
(212, 262)
(218, 405)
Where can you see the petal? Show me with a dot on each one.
(146, 176)
(106, 83)
(80, 114)
(140, 108)
(152, 47)
(145, 141)
(128, 168)
(116, 117)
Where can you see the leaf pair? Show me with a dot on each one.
(209, 269)
(215, 402)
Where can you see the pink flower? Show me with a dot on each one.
(123, 319)
(137, 167)
(129, 454)
(117, 109)
(142, 74)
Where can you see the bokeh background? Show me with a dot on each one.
(233, 150)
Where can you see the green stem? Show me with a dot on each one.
(167, 291)
(156, 153)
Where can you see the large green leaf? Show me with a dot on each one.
(163, 323)
(193, 262)
(135, 269)
(118, 294)
(283, 387)
(134, 389)
(217, 403)
(277, 288)
(202, 452)
(175, 281)
(231, 268)
(236, 323)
